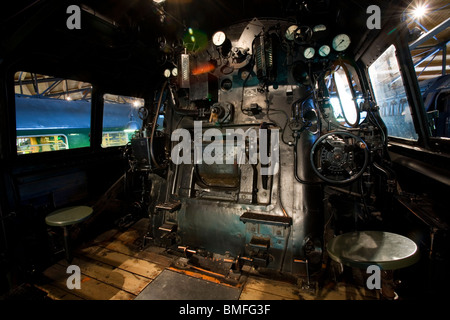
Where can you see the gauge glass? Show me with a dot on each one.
(341, 42)
(219, 38)
(290, 32)
(324, 50)
(309, 52)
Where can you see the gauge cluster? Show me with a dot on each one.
(258, 53)
(317, 42)
(268, 45)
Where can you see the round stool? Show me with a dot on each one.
(66, 217)
(388, 251)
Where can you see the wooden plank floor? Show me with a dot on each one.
(114, 268)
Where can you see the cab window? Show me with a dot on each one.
(120, 119)
(52, 113)
(390, 96)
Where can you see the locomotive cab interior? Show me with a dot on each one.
(238, 140)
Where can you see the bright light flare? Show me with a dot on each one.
(419, 11)
(203, 68)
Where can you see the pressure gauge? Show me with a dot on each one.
(219, 38)
(324, 50)
(175, 72)
(341, 42)
(319, 27)
(290, 32)
(309, 52)
(167, 73)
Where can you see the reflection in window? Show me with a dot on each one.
(120, 119)
(51, 113)
(390, 95)
(346, 97)
(36, 144)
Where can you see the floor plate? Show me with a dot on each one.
(171, 285)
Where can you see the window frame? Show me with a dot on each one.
(414, 97)
(356, 74)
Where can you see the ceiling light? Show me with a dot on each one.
(419, 11)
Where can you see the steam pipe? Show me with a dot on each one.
(152, 155)
(295, 162)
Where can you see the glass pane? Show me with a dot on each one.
(51, 113)
(390, 95)
(346, 97)
(431, 60)
(120, 119)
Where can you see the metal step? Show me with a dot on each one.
(255, 217)
(170, 206)
(168, 227)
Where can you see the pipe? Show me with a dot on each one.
(152, 155)
(176, 108)
(295, 164)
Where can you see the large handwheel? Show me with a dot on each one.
(339, 157)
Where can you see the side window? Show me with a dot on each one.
(430, 47)
(390, 95)
(120, 119)
(51, 113)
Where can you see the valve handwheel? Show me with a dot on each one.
(339, 157)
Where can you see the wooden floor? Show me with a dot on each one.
(114, 268)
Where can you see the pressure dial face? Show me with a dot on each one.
(175, 72)
(309, 52)
(290, 32)
(324, 50)
(341, 42)
(219, 38)
(319, 27)
(167, 73)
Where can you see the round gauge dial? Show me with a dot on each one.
(290, 32)
(175, 72)
(319, 27)
(324, 50)
(341, 42)
(219, 38)
(167, 73)
(309, 52)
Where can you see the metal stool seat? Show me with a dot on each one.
(389, 251)
(66, 217)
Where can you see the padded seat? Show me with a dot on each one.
(66, 217)
(361, 249)
(389, 251)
